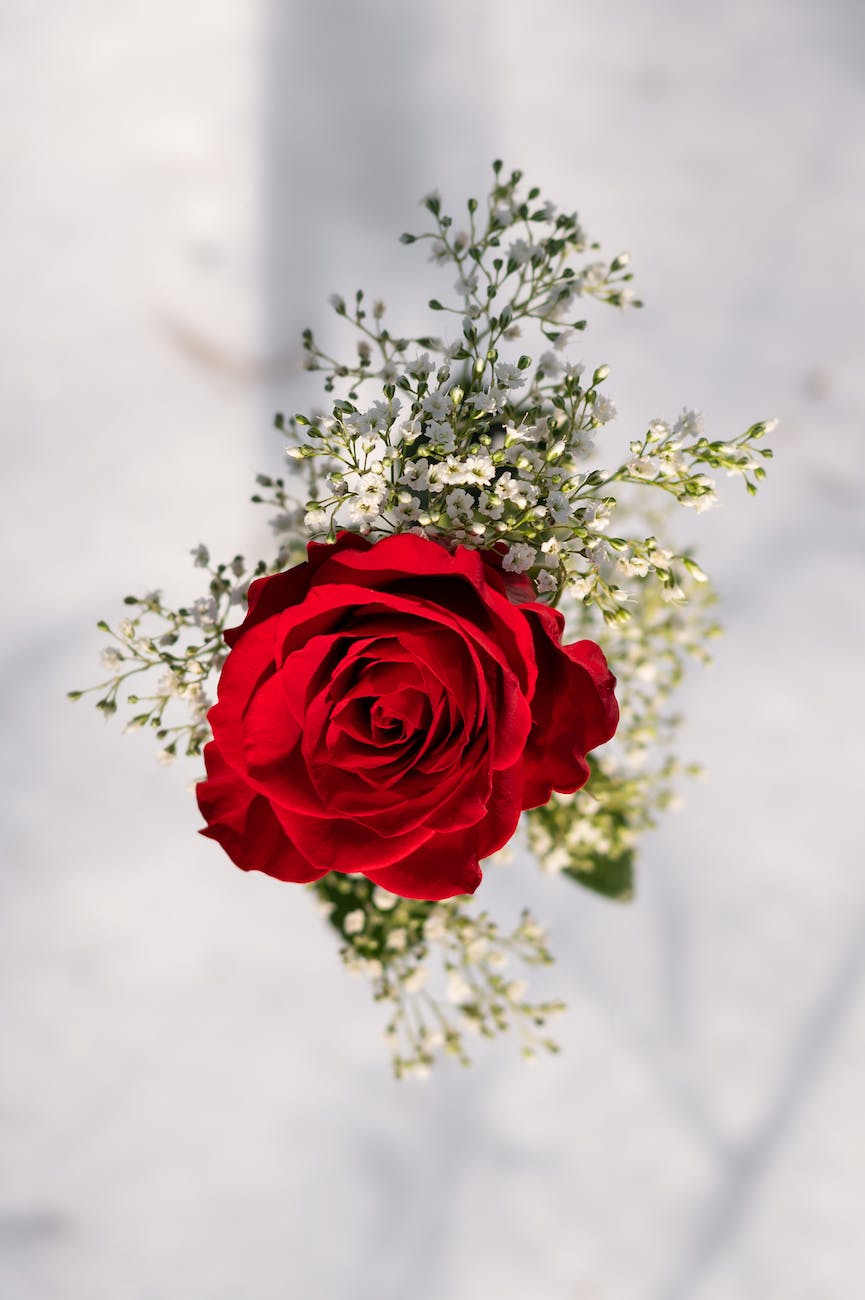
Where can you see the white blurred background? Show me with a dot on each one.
(195, 1101)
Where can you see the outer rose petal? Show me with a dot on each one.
(573, 711)
(243, 823)
(441, 869)
(449, 863)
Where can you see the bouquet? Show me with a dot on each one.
(469, 620)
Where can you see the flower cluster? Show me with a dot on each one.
(491, 435)
(444, 970)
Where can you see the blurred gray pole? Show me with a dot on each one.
(355, 128)
(344, 141)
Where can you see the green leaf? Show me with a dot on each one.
(612, 877)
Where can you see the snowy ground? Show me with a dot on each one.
(195, 1104)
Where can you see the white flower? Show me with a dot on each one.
(414, 475)
(483, 402)
(422, 367)
(555, 861)
(415, 981)
(643, 467)
(520, 251)
(593, 276)
(503, 215)
(439, 252)
(550, 363)
(459, 505)
(437, 404)
(408, 510)
(383, 899)
(519, 558)
(337, 302)
(634, 566)
(454, 471)
(199, 704)
(381, 415)
(672, 462)
(490, 505)
(467, 284)
(546, 582)
(111, 658)
(434, 928)
(316, 521)
(355, 422)
(169, 684)
(518, 490)
(705, 502)
(376, 420)
(354, 922)
(558, 301)
(437, 476)
(689, 424)
(370, 486)
(203, 613)
(458, 990)
(604, 410)
(510, 376)
(582, 584)
(441, 435)
(479, 468)
(476, 948)
(202, 556)
(521, 433)
(558, 507)
(396, 941)
(363, 511)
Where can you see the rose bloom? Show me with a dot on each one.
(390, 708)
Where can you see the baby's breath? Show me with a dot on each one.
(442, 969)
(489, 430)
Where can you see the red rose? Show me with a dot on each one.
(390, 708)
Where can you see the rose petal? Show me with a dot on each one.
(443, 868)
(244, 824)
(574, 713)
